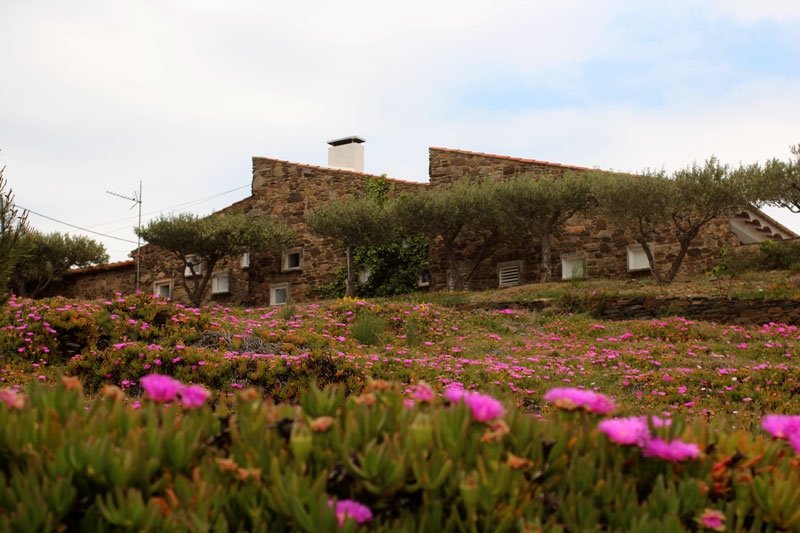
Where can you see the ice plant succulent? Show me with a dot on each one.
(712, 519)
(626, 431)
(484, 407)
(161, 388)
(194, 396)
(352, 509)
(572, 399)
(781, 426)
(674, 451)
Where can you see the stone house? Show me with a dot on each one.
(586, 246)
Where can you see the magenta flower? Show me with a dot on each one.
(423, 393)
(712, 519)
(455, 394)
(781, 426)
(626, 431)
(12, 399)
(350, 508)
(194, 396)
(675, 450)
(571, 399)
(484, 407)
(161, 388)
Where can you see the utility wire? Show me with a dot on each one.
(74, 226)
(172, 208)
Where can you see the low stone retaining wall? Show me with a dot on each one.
(712, 309)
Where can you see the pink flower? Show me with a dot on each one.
(781, 426)
(423, 393)
(160, 388)
(194, 396)
(455, 394)
(12, 399)
(349, 508)
(632, 430)
(571, 399)
(675, 450)
(484, 407)
(712, 519)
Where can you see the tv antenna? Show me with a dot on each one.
(136, 198)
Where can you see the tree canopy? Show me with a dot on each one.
(212, 239)
(682, 203)
(462, 213)
(46, 257)
(539, 205)
(351, 222)
(13, 225)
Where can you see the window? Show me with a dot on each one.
(509, 273)
(573, 266)
(163, 289)
(221, 282)
(196, 263)
(279, 294)
(637, 259)
(292, 260)
(424, 279)
(364, 274)
(245, 261)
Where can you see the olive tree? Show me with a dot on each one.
(539, 205)
(211, 239)
(351, 222)
(682, 204)
(466, 217)
(13, 225)
(780, 182)
(46, 257)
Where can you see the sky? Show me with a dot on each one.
(99, 96)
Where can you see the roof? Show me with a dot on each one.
(118, 265)
(508, 158)
(343, 170)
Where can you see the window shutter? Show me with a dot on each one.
(510, 275)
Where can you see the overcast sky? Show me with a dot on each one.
(181, 94)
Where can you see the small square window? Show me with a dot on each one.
(279, 294)
(573, 266)
(194, 266)
(424, 279)
(245, 261)
(364, 274)
(292, 260)
(163, 289)
(637, 258)
(509, 273)
(221, 282)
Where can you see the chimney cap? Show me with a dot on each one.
(347, 140)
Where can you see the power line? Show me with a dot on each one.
(172, 208)
(74, 226)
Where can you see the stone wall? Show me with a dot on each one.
(603, 246)
(711, 309)
(96, 282)
(284, 191)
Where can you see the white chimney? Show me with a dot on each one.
(347, 153)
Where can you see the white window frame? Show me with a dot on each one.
(274, 291)
(245, 261)
(637, 259)
(364, 274)
(569, 262)
(170, 284)
(221, 282)
(509, 274)
(285, 266)
(197, 262)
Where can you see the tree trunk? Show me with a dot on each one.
(547, 259)
(350, 287)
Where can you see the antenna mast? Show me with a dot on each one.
(136, 198)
